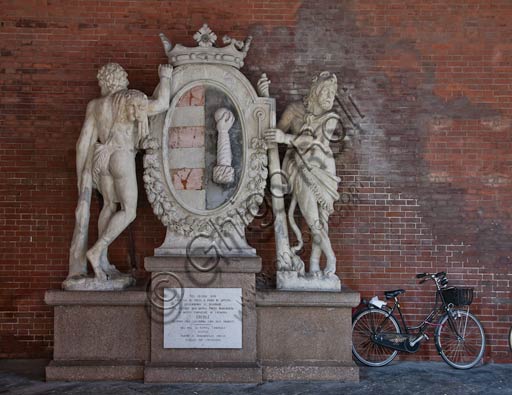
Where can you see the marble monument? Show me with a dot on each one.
(211, 146)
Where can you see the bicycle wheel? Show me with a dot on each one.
(510, 338)
(367, 323)
(462, 351)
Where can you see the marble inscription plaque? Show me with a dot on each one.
(206, 318)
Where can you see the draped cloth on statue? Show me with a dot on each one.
(304, 163)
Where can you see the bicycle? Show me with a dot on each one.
(459, 336)
(510, 338)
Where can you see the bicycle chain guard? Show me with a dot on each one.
(397, 341)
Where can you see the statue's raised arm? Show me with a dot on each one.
(159, 102)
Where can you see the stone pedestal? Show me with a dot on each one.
(208, 364)
(286, 335)
(99, 335)
(306, 335)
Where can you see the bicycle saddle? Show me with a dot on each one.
(394, 293)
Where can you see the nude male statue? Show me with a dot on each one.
(115, 126)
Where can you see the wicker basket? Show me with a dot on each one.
(458, 296)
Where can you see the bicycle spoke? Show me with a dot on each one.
(464, 348)
(367, 324)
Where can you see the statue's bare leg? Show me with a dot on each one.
(106, 213)
(122, 169)
(311, 213)
(330, 266)
(309, 209)
(108, 210)
(314, 260)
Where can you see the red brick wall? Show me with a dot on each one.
(426, 184)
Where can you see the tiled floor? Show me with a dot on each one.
(27, 377)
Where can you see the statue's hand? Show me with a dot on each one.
(276, 136)
(263, 85)
(165, 71)
(225, 123)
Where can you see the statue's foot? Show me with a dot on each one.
(113, 273)
(314, 267)
(330, 268)
(104, 260)
(111, 270)
(298, 265)
(94, 258)
(76, 276)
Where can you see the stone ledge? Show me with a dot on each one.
(203, 373)
(345, 298)
(180, 263)
(335, 372)
(94, 371)
(132, 297)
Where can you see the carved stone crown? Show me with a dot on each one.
(233, 54)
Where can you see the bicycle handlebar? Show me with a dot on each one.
(436, 275)
(439, 278)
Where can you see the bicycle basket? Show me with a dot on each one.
(458, 296)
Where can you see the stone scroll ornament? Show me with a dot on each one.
(115, 127)
(308, 175)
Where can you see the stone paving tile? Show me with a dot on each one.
(398, 378)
